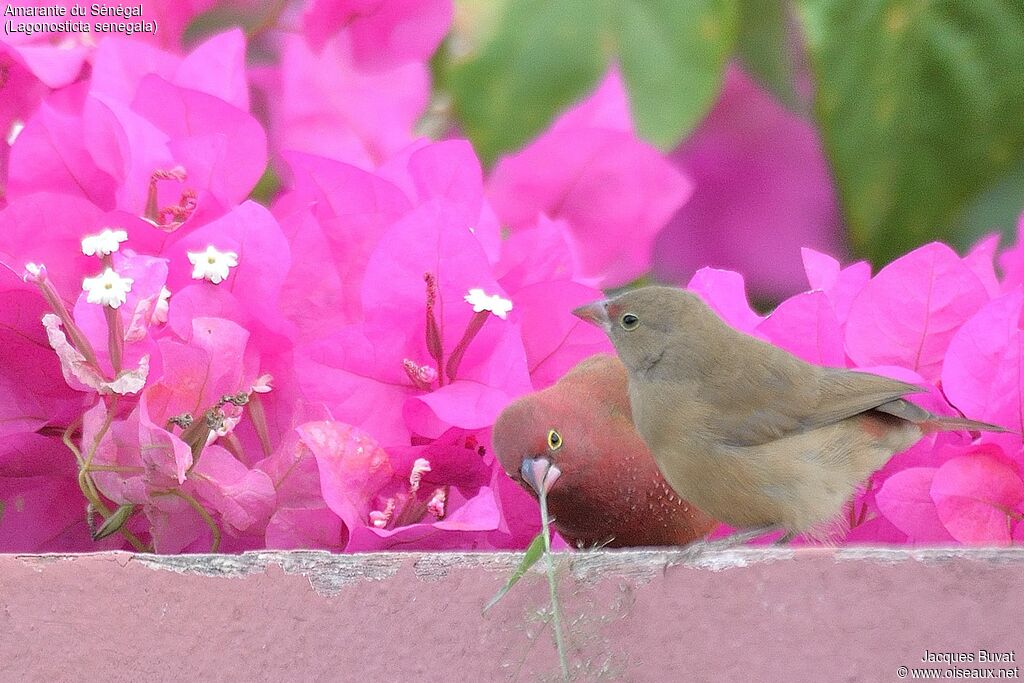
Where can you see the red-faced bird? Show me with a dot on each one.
(577, 439)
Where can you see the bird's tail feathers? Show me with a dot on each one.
(936, 423)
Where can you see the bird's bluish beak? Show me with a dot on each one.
(595, 313)
(539, 473)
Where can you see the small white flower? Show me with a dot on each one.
(108, 289)
(34, 272)
(163, 305)
(103, 244)
(211, 264)
(15, 131)
(482, 301)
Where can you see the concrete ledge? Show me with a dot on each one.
(811, 614)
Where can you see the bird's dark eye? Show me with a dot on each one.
(554, 440)
(630, 321)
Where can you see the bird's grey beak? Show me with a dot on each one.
(539, 473)
(595, 313)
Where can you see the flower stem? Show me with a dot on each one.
(107, 420)
(556, 617)
(201, 511)
(66, 438)
(78, 339)
(472, 328)
(115, 337)
(435, 334)
(269, 21)
(85, 467)
(126, 469)
(259, 423)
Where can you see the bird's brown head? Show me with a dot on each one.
(577, 440)
(646, 323)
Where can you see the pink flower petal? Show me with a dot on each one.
(351, 375)
(352, 468)
(33, 392)
(55, 65)
(328, 106)
(163, 453)
(981, 260)
(334, 216)
(763, 190)
(840, 285)
(614, 192)
(539, 254)
(878, 530)
(554, 339)
(382, 32)
(725, 293)
(981, 374)
(910, 311)
(905, 500)
(976, 353)
(465, 404)
(223, 148)
(306, 529)
(973, 495)
(607, 107)
(821, 269)
(806, 326)
(50, 154)
(244, 498)
(251, 232)
(43, 508)
(448, 171)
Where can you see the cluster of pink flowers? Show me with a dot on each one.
(184, 369)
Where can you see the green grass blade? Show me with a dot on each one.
(533, 553)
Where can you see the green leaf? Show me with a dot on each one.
(540, 56)
(266, 188)
(533, 553)
(921, 105)
(673, 57)
(218, 20)
(763, 47)
(114, 522)
(994, 210)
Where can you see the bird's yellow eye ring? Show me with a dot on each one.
(629, 321)
(554, 440)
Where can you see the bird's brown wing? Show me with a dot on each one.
(820, 398)
(843, 393)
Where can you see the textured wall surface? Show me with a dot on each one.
(749, 614)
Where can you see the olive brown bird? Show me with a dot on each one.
(577, 439)
(751, 434)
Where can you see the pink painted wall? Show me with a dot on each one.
(814, 615)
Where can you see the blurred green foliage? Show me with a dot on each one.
(919, 103)
(763, 47)
(921, 107)
(540, 56)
